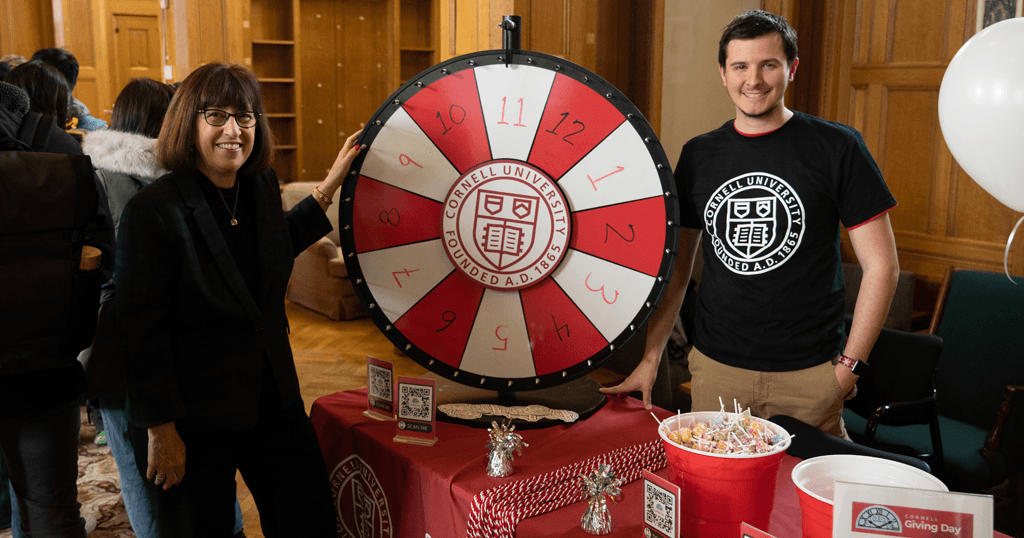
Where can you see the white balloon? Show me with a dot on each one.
(981, 110)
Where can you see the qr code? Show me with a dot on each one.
(380, 382)
(415, 403)
(659, 509)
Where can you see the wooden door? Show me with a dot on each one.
(136, 50)
(880, 65)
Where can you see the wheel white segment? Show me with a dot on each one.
(399, 277)
(403, 156)
(513, 100)
(499, 345)
(610, 295)
(618, 170)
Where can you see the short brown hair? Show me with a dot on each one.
(754, 24)
(213, 85)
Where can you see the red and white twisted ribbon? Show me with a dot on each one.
(495, 513)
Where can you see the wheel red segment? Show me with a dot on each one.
(576, 119)
(560, 335)
(389, 217)
(449, 112)
(629, 234)
(441, 322)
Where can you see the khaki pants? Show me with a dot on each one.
(810, 395)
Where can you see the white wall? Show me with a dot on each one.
(693, 100)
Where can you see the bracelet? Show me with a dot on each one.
(320, 195)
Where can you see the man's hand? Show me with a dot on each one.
(847, 381)
(642, 379)
(166, 456)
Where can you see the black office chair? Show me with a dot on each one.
(810, 442)
(899, 390)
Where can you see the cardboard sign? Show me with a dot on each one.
(416, 411)
(661, 507)
(867, 511)
(380, 389)
(748, 531)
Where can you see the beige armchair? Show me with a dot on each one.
(319, 279)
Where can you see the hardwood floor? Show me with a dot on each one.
(330, 356)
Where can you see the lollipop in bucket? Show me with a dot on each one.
(727, 433)
(726, 466)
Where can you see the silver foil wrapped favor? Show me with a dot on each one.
(504, 443)
(599, 486)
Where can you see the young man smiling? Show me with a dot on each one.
(765, 194)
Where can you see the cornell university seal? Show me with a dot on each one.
(505, 224)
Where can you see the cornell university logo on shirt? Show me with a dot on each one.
(756, 223)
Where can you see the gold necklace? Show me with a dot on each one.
(234, 221)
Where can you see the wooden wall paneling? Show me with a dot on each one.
(85, 34)
(320, 77)
(467, 14)
(650, 73)
(909, 42)
(348, 56)
(548, 27)
(909, 158)
(898, 55)
(212, 31)
(26, 26)
(582, 36)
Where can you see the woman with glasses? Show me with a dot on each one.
(204, 255)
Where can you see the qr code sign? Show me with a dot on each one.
(415, 403)
(380, 382)
(659, 509)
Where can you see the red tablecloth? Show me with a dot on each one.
(386, 488)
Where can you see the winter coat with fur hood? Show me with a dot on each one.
(124, 162)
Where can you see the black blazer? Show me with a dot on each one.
(193, 337)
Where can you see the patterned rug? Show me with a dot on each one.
(99, 489)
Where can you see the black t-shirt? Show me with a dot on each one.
(771, 294)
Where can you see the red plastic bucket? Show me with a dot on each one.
(720, 491)
(815, 480)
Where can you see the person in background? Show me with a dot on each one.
(48, 94)
(768, 192)
(203, 258)
(125, 159)
(13, 60)
(10, 61)
(67, 64)
(41, 403)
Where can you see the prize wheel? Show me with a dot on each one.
(512, 221)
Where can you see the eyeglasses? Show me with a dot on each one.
(217, 118)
